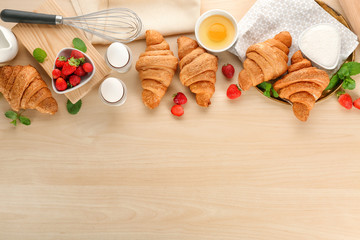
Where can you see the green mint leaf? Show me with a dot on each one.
(274, 93)
(349, 83)
(343, 72)
(39, 55)
(13, 122)
(11, 114)
(354, 68)
(73, 108)
(333, 81)
(24, 120)
(79, 44)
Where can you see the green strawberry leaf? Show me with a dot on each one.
(354, 68)
(333, 81)
(11, 114)
(24, 120)
(79, 44)
(339, 93)
(39, 55)
(74, 62)
(13, 122)
(73, 108)
(62, 58)
(349, 83)
(267, 93)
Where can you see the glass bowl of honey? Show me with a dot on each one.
(216, 30)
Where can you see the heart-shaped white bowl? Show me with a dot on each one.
(321, 44)
(66, 52)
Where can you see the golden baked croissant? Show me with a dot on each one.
(302, 86)
(265, 61)
(23, 88)
(197, 70)
(156, 67)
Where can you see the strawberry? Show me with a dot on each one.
(56, 73)
(80, 71)
(228, 70)
(70, 66)
(233, 91)
(87, 67)
(60, 84)
(60, 61)
(357, 103)
(177, 110)
(180, 98)
(74, 80)
(345, 100)
(77, 54)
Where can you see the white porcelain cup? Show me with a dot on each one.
(8, 45)
(212, 13)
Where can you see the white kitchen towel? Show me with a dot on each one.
(267, 18)
(167, 17)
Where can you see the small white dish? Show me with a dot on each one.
(113, 92)
(212, 13)
(66, 52)
(321, 43)
(8, 45)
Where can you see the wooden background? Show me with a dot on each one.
(244, 169)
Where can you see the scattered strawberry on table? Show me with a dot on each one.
(179, 100)
(68, 71)
(356, 103)
(233, 91)
(228, 70)
(345, 100)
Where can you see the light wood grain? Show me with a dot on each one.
(352, 10)
(54, 38)
(244, 169)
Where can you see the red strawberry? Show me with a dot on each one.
(357, 103)
(233, 91)
(345, 100)
(77, 54)
(80, 71)
(180, 98)
(56, 73)
(74, 80)
(70, 66)
(60, 84)
(60, 61)
(87, 67)
(228, 70)
(177, 110)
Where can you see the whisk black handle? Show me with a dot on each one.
(9, 15)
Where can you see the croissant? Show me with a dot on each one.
(197, 70)
(156, 67)
(23, 88)
(265, 61)
(302, 86)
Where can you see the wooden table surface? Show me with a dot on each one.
(244, 169)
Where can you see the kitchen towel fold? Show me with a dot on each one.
(167, 17)
(267, 18)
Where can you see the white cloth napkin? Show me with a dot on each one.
(167, 17)
(267, 18)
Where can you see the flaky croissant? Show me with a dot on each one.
(156, 67)
(265, 61)
(302, 86)
(197, 70)
(23, 88)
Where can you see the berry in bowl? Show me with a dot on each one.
(72, 69)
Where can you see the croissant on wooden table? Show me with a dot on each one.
(23, 88)
(156, 67)
(302, 86)
(197, 70)
(265, 61)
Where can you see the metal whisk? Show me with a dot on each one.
(114, 24)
